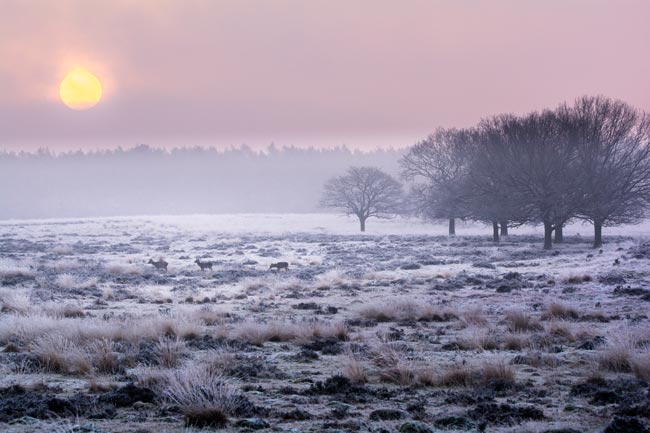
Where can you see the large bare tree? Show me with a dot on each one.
(531, 158)
(612, 144)
(365, 192)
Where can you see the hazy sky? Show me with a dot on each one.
(307, 72)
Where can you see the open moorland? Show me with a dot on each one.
(402, 329)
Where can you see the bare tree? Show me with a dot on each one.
(612, 142)
(365, 192)
(531, 158)
(438, 169)
(488, 199)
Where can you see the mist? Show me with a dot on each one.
(146, 180)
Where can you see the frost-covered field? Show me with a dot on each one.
(399, 329)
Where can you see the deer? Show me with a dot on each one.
(280, 265)
(160, 264)
(203, 265)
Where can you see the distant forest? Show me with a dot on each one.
(147, 180)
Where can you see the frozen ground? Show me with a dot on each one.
(399, 329)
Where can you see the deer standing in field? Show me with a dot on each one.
(280, 265)
(160, 264)
(203, 265)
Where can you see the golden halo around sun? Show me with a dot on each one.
(80, 89)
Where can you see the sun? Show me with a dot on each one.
(80, 89)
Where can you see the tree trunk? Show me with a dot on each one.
(495, 231)
(452, 227)
(504, 228)
(559, 235)
(598, 234)
(548, 235)
(362, 220)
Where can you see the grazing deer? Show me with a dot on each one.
(160, 264)
(280, 265)
(203, 265)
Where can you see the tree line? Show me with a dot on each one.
(589, 160)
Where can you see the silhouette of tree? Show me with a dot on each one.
(612, 164)
(365, 192)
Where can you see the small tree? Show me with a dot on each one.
(365, 192)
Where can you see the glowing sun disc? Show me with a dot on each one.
(80, 89)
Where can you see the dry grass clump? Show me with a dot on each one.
(71, 282)
(149, 377)
(406, 310)
(59, 354)
(497, 370)
(392, 365)
(169, 352)
(578, 278)
(561, 331)
(258, 333)
(640, 364)
(84, 331)
(556, 310)
(219, 361)
(515, 342)
(354, 369)
(455, 376)
(62, 250)
(402, 372)
(474, 338)
(179, 326)
(11, 268)
(619, 351)
(104, 357)
(57, 310)
(14, 301)
(474, 316)
(205, 399)
(123, 269)
(468, 375)
(211, 317)
(518, 321)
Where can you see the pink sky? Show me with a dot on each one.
(307, 72)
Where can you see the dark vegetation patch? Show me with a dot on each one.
(631, 397)
(18, 402)
(504, 414)
(626, 424)
(644, 294)
(387, 415)
(327, 346)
